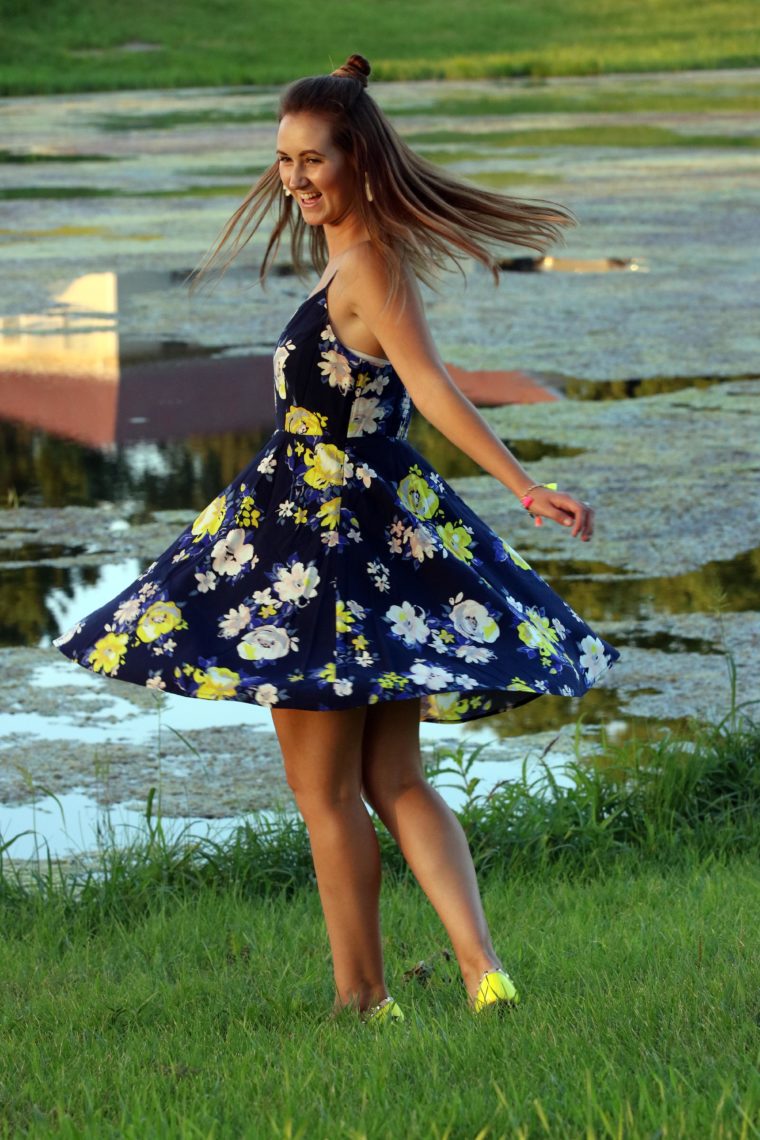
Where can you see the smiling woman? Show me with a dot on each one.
(339, 580)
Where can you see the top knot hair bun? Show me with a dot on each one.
(355, 67)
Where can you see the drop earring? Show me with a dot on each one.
(286, 192)
(368, 189)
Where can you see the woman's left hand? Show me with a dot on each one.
(563, 509)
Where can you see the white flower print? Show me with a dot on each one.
(592, 661)
(267, 695)
(280, 357)
(408, 621)
(377, 385)
(155, 681)
(474, 654)
(206, 581)
(421, 543)
(432, 676)
(266, 642)
(234, 622)
(264, 598)
(364, 659)
(128, 611)
(357, 610)
(440, 645)
(366, 413)
(343, 687)
(267, 464)
(473, 621)
(331, 538)
(465, 682)
(67, 636)
(560, 628)
(365, 474)
(297, 583)
(336, 370)
(148, 589)
(231, 553)
(286, 508)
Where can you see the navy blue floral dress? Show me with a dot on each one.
(340, 569)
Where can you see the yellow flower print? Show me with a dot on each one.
(325, 465)
(359, 642)
(303, 421)
(216, 684)
(447, 706)
(108, 653)
(417, 495)
(392, 681)
(538, 633)
(457, 540)
(329, 672)
(301, 515)
(516, 558)
(329, 512)
(517, 685)
(344, 619)
(158, 619)
(299, 449)
(267, 611)
(210, 519)
(248, 513)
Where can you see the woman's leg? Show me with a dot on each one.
(322, 755)
(427, 831)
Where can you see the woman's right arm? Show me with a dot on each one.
(402, 329)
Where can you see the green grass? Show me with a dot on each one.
(208, 1017)
(86, 48)
(182, 988)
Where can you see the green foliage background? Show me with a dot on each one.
(67, 46)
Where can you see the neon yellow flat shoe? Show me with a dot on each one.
(496, 988)
(387, 1011)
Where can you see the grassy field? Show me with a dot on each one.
(100, 46)
(207, 1017)
(183, 989)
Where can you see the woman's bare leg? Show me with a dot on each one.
(322, 755)
(427, 831)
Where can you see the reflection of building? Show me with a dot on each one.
(66, 372)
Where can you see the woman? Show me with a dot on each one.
(339, 580)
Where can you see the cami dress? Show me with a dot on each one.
(339, 569)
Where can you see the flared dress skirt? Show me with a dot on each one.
(339, 569)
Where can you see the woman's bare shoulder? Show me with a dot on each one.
(367, 275)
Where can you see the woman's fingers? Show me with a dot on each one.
(567, 511)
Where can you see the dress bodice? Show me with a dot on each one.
(324, 389)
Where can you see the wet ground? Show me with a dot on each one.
(116, 390)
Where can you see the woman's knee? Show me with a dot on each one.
(384, 785)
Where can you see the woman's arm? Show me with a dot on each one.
(402, 330)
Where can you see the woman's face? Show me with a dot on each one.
(317, 173)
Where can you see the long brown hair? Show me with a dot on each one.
(418, 212)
